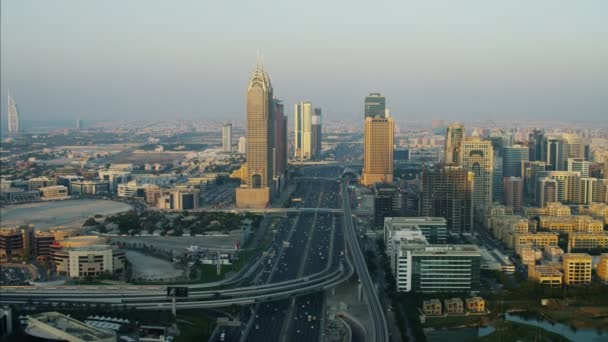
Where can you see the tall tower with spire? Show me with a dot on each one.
(13, 115)
(260, 141)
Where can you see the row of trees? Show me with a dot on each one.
(132, 222)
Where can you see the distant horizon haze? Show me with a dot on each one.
(150, 60)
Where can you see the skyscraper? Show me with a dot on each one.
(227, 137)
(477, 156)
(554, 153)
(546, 191)
(448, 192)
(576, 146)
(568, 184)
(586, 190)
(13, 116)
(535, 145)
(317, 135)
(242, 148)
(529, 170)
(513, 156)
(78, 124)
(375, 104)
(260, 142)
(302, 113)
(378, 158)
(513, 192)
(579, 165)
(280, 139)
(387, 202)
(497, 178)
(453, 141)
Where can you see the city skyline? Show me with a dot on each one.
(160, 183)
(428, 54)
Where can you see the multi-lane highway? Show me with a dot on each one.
(283, 293)
(316, 247)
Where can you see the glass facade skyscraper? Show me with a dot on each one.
(375, 105)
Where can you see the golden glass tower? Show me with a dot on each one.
(260, 142)
(378, 159)
(477, 155)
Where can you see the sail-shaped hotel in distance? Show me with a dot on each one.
(13, 116)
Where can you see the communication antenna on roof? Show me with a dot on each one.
(262, 61)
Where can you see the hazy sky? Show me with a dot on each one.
(450, 59)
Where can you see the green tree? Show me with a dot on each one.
(90, 222)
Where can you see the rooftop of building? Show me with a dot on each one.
(585, 256)
(386, 186)
(452, 300)
(66, 325)
(548, 270)
(406, 221)
(538, 233)
(438, 250)
(57, 187)
(90, 181)
(568, 218)
(90, 248)
(581, 234)
(39, 179)
(9, 231)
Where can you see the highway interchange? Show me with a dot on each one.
(283, 299)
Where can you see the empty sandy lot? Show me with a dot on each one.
(69, 213)
(151, 268)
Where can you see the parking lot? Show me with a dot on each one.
(11, 274)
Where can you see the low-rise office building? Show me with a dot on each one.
(42, 243)
(115, 177)
(495, 210)
(53, 326)
(475, 304)
(580, 241)
(431, 307)
(434, 229)
(570, 224)
(596, 210)
(535, 239)
(179, 199)
(39, 182)
(453, 306)
(550, 209)
(16, 242)
(436, 268)
(89, 261)
(504, 227)
(89, 187)
(131, 190)
(546, 274)
(54, 192)
(577, 268)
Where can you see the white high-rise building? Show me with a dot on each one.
(477, 156)
(13, 116)
(303, 130)
(227, 137)
(242, 148)
(579, 165)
